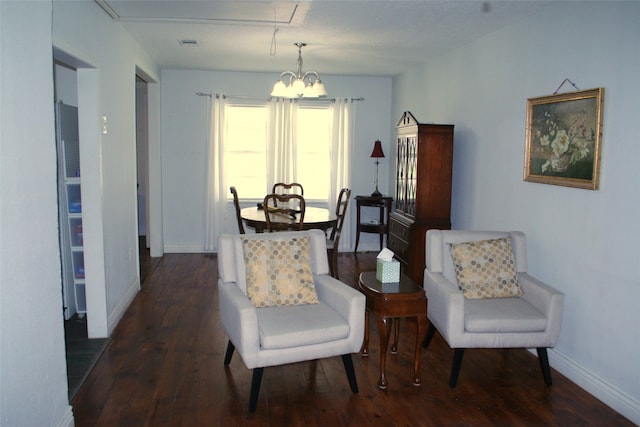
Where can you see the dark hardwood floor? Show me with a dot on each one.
(164, 367)
(83, 352)
(147, 263)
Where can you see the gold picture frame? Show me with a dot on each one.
(563, 139)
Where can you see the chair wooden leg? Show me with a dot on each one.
(229, 353)
(332, 255)
(455, 368)
(256, 380)
(430, 332)
(351, 373)
(544, 364)
(334, 263)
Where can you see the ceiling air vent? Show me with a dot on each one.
(188, 42)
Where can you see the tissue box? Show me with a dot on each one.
(388, 271)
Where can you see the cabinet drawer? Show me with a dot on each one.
(400, 230)
(399, 247)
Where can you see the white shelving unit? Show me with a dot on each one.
(70, 215)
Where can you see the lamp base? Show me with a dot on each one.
(376, 193)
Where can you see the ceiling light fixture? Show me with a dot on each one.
(307, 85)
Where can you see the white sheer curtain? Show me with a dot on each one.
(281, 133)
(215, 186)
(342, 137)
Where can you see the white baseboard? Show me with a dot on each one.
(121, 308)
(622, 402)
(67, 420)
(184, 249)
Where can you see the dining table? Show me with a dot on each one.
(314, 217)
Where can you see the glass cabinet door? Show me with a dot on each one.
(401, 163)
(411, 175)
(406, 178)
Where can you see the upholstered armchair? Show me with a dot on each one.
(273, 320)
(469, 311)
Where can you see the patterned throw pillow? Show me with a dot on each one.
(279, 271)
(485, 268)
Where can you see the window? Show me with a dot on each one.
(246, 150)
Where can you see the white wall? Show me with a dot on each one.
(33, 383)
(65, 84)
(184, 135)
(583, 242)
(84, 31)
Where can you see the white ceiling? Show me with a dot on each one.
(374, 37)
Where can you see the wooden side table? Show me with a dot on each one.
(382, 226)
(388, 302)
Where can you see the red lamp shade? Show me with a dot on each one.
(377, 153)
(377, 150)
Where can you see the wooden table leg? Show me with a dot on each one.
(396, 336)
(384, 326)
(365, 343)
(420, 333)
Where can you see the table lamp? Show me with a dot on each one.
(377, 153)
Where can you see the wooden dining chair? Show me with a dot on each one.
(236, 204)
(282, 188)
(283, 212)
(334, 238)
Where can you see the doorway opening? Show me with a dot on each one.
(146, 263)
(81, 352)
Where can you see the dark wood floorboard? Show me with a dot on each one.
(164, 367)
(82, 352)
(147, 263)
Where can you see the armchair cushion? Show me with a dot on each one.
(485, 268)
(294, 326)
(502, 315)
(278, 271)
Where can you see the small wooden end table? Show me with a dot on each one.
(391, 301)
(381, 226)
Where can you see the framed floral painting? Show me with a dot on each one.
(564, 134)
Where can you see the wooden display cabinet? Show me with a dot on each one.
(424, 157)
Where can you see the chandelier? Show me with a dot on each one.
(307, 85)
